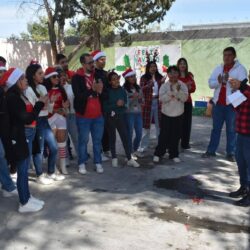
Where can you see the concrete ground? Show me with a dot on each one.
(156, 207)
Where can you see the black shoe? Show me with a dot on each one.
(186, 147)
(231, 158)
(241, 192)
(208, 155)
(244, 202)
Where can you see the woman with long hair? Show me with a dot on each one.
(150, 84)
(133, 113)
(35, 77)
(16, 83)
(188, 78)
(57, 114)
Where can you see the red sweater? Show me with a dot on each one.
(189, 79)
(93, 107)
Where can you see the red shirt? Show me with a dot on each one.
(189, 79)
(70, 74)
(29, 109)
(56, 95)
(223, 91)
(93, 107)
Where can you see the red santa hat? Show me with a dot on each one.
(128, 72)
(97, 54)
(2, 66)
(50, 71)
(10, 77)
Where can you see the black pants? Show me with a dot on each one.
(118, 123)
(170, 134)
(187, 125)
(105, 138)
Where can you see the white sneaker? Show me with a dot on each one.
(30, 206)
(138, 154)
(104, 158)
(7, 194)
(56, 177)
(177, 160)
(44, 180)
(156, 159)
(114, 162)
(99, 168)
(82, 169)
(134, 157)
(37, 201)
(133, 163)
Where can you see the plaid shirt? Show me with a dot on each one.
(243, 113)
(148, 97)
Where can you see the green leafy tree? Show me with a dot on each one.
(122, 15)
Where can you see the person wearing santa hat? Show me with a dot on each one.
(57, 115)
(89, 117)
(8, 186)
(44, 133)
(16, 83)
(100, 74)
(134, 110)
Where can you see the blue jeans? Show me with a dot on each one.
(86, 126)
(30, 135)
(72, 129)
(134, 122)
(45, 135)
(220, 115)
(5, 180)
(23, 180)
(243, 159)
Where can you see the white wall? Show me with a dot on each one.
(20, 53)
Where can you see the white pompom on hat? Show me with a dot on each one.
(11, 76)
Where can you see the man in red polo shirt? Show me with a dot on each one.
(223, 111)
(89, 118)
(62, 60)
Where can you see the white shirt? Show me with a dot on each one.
(42, 91)
(155, 88)
(70, 95)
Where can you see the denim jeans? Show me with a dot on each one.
(85, 127)
(134, 122)
(154, 114)
(45, 135)
(243, 159)
(30, 135)
(220, 115)
(72, 129)
(5, 179)
(23, 180)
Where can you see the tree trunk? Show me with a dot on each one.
(61, 44)
(96, 37)
(77, 48)
(51, 28)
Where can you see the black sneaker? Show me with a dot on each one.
(231, 158)
(241, 192)
(244, 202)
(208, 155)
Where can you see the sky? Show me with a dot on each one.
(183, 12)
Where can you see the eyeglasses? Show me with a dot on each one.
(91, 62)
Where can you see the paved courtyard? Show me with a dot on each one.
(156, 207)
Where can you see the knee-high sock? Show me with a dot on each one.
(62, 156)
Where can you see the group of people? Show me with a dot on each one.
(43, 114)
